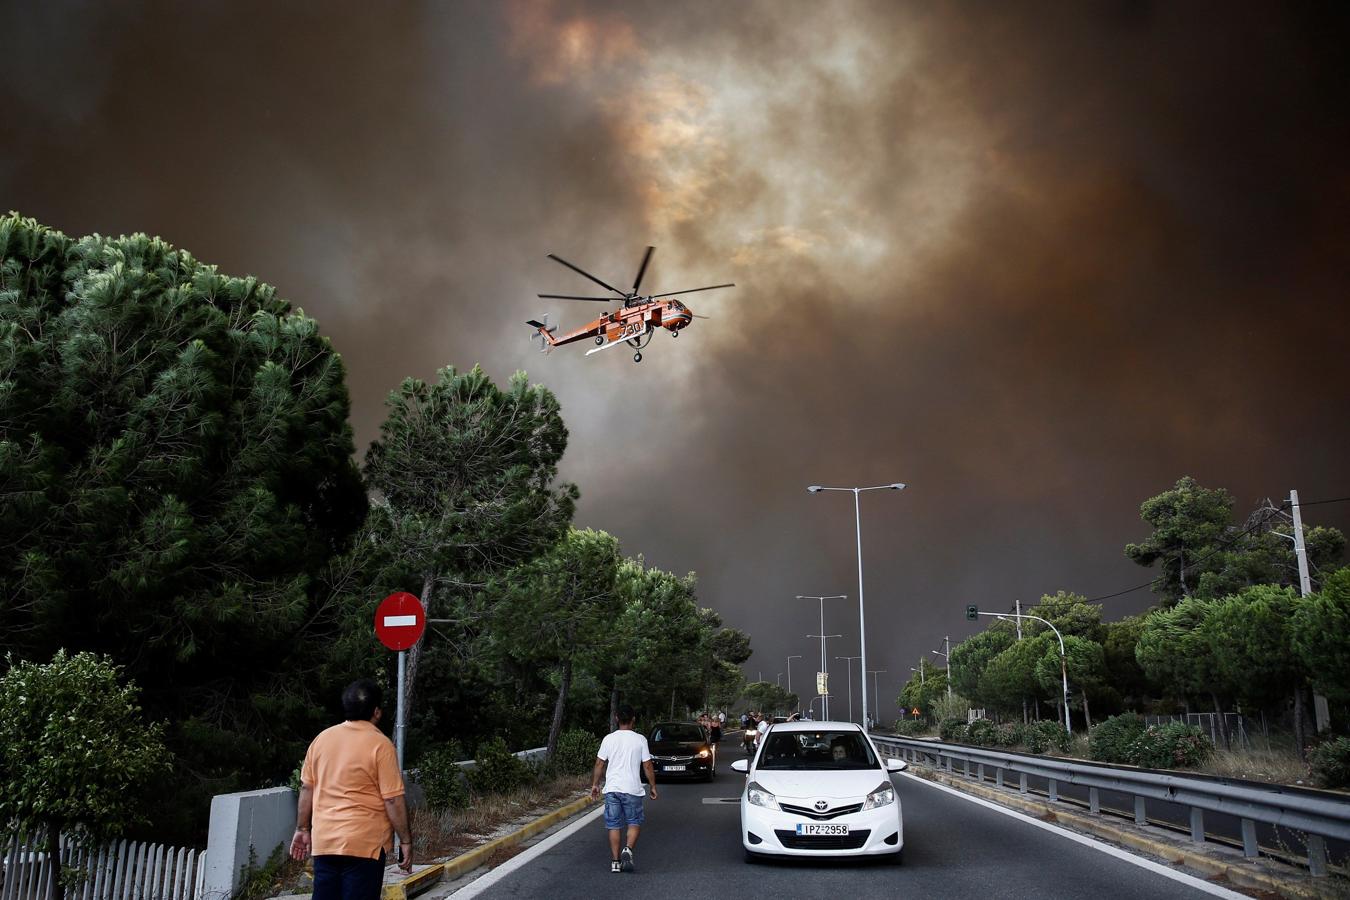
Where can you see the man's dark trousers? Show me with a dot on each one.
(348, 878)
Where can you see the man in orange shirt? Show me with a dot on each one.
(351, 796)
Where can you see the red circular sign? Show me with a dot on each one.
(400, 621)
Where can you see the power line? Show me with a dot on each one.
(1227, 543)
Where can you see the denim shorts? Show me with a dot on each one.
(621, 809)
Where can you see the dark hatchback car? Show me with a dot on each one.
(680, 750)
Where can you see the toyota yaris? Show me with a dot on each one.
(819, 789)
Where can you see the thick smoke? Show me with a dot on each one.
(1037, 261)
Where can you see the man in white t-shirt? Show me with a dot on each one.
(622, 755)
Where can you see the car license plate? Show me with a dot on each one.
(674, 768)
(805, 828)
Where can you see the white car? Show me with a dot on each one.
(819, 789)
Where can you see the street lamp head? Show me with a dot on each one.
(898, 486)
(814, 489)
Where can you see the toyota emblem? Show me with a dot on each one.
(821, 806)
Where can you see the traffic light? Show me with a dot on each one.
(972, 612)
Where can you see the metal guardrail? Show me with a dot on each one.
(1318, 816)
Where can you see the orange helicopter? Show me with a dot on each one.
(635, 322)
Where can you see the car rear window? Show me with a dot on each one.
(677, 733)
(824, 750)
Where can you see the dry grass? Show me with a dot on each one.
(1274, 766)
(453, 832)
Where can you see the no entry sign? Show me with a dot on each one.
(400, 621)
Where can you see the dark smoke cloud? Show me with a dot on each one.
(1037, 261)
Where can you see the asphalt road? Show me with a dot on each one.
(953, 848)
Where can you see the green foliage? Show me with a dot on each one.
(953, 730)
(175, 469)
(576, 752)
(1071, 614)
(75, 752)
(1010, 677)
(972, 656)
(1249, 639)
(1045, 735)
(922, 691)
(1008, 734)
(911, 727)
(1085, 665)
(1173, 651)
(1171, 746)
(1112, 741)
(1320, 632)
(1330, 763)
(982, 732)
(1186, 520)
(953, 707)
(769, 698)
(442, 781)
(496, 770)
(1123, 672)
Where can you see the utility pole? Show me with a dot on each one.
(1321, 713)
(850, 683)
(948, 647)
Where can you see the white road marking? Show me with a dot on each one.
(394, 621)
(482, 883)
(1189, 880)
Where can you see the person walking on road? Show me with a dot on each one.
(351, 802)
(622, 755)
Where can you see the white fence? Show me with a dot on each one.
(123, 871)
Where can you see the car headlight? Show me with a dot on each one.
(757, 796)
(704, 753)
(884, 795)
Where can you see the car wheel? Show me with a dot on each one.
(895, 859)
(752, 858)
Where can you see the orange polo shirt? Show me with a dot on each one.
(352, 769)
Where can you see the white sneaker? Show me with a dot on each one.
(626, 859)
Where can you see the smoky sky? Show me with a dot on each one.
(1037, 261)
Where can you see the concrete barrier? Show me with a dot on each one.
(246, 829)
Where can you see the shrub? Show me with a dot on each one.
(575, 754)
(911, 727)
(1111, 740)
(1045, 735)
(442, 781)
(953, 730)
(1009, 734)
(496, 770)
(1330, 763)
(1171, 746)
(981, 732)
(953, 707)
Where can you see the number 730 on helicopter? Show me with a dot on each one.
(634, 321)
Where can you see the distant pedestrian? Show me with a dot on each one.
(714, 738)
(623, 754)
(351, 802)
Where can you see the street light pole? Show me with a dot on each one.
(824, 709)
(875, 693)
(947, 642)
(857, 520)
(825, 705)
(789, 664)
(850, 683)
(1063, 665)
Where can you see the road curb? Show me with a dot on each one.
(1265, 875)
(467, 862)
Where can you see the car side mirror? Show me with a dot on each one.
(740, 765)
(896, 765)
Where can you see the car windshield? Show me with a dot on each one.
(677, 733)
(823, 750)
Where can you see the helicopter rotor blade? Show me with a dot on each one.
(642, 269)
(697, 316)
(585, 274)
(571, 297)
(711, 287)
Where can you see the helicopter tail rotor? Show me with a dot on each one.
(544, 332)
